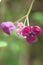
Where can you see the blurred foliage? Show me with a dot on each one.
(38, 16)
(15, 45)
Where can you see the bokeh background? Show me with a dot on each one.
(15, 50)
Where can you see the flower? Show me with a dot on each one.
(31, 33)
(20, 26)
(31, 39)
(19, 31)
(37, 29)
(8, 27)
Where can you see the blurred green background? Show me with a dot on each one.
(15, 50)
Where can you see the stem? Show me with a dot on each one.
(21, 18)
(27, 15)
(27, 12)
(27, 20)
(30, 7)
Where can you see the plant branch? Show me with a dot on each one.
(30, 8)
(21, 18)
(27, 12)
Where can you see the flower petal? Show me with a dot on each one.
(37, 30)
(26, 30)
(7, 27)
(31, 39)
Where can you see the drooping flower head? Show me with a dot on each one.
(8, 27)
(31, 33)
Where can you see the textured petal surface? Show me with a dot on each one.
(19, 31)
(37, 30)
(31, 39)
(19, 24)
(7, 27)
(26, 30)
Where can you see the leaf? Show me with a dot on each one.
(3, 44)
(38, 16)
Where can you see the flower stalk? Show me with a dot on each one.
(28, 13)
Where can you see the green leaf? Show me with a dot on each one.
(3, 44)
(38, 16)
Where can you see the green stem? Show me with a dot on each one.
(30, 8)
(21, 18)
(27, 20)
(27, 12)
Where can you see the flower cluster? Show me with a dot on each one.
(31, 33)
(28, 32)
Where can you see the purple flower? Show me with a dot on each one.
(8, 27)
(31, 33)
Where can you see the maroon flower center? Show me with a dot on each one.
(31, 33)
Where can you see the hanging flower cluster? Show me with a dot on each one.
(31, 33)
(28, 32)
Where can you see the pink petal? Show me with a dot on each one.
(31, 39)
(26, 30)
(37, 29)
(19, 31)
